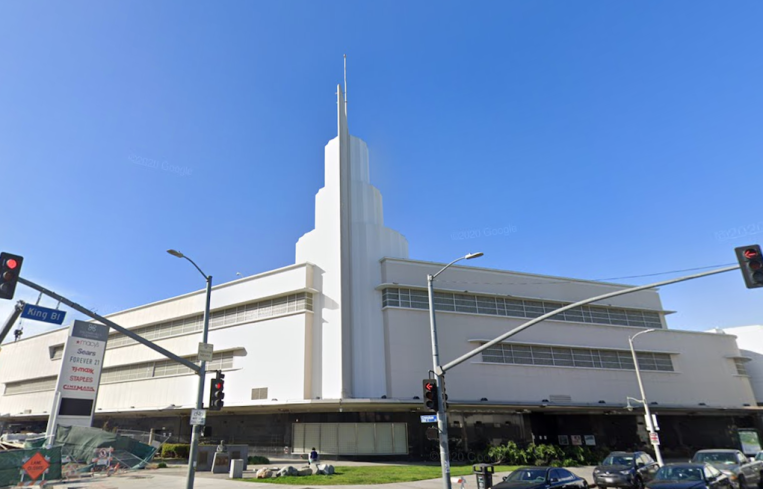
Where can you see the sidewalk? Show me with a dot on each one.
(174, 478)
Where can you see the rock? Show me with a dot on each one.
(305, 471)
(329, 470)
(287, 471)
(315, 470)
(265, 474)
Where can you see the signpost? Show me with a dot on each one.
(44, 314)
(198, 417)
(654, 438)
(80, 376)
(429, 418)
(206, 352)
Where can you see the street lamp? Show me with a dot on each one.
(442, 422)
(648, 415)
(202, 374)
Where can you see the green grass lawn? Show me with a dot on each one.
(374, 474)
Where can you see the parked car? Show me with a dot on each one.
(630, 470)
(542, 478)
(689, 476)
(742, 472)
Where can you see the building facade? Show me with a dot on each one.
(328, 352)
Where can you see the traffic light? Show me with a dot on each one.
(10, 266)
(216, 394)
(751, 265)
(431, 396)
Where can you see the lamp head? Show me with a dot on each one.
(176, 253)
(474, 255)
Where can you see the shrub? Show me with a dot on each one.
(161, 465)
(257, 460)
(568, 462)
(175, 450)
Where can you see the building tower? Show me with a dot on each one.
(349, 239)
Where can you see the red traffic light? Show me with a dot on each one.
(751, 253)
(11, 263)
(218, 385)
(429, 386)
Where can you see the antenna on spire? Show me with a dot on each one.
(345, 85)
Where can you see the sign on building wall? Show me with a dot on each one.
(577, 440)
(80, 375)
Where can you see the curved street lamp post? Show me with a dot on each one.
(442, 421)
(202, 375)
(647, 414)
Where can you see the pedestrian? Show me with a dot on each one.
(313, 459)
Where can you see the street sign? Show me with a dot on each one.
(36, 466)
(206, 351)
(654, 438)
(429, 418)
(44, 314)
(198, 417)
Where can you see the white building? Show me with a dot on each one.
(331, 351)
(750, 341)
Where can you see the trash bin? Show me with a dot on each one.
(484, 473)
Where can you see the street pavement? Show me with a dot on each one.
(174, 477)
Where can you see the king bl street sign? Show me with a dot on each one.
(44, 314)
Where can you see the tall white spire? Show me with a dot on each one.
(345, 85)
(346, 340)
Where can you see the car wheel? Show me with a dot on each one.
(639, 483)
(742, 482)
(585, 484)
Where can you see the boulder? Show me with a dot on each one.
(315, 470)
(288, 471)
(305, 471)
(265, 474)
(329, 470)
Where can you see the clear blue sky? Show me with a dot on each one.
(617, 138)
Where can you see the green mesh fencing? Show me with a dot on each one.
(79, 444)
(12, 460)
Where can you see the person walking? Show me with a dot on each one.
(313, 459)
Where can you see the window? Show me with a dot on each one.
(739, 363)
(248, 312)
(34, 385)
(521, 308)
(259, 393)
(559, 356)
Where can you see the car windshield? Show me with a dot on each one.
(679, 474)
(759, 456)
(528, 475)
(618, 460)
(716, 457)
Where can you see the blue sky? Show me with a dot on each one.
(611, 138)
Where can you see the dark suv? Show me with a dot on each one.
(629, 470)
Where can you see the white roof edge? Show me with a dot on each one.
(189, 294)
(496, 270)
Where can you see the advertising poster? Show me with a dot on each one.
(577, 440)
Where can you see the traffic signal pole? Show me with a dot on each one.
(111, 324)
(200, 394)
(442, 420)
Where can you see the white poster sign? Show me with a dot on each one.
(80, 374)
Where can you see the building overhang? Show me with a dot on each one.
(411, 406)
